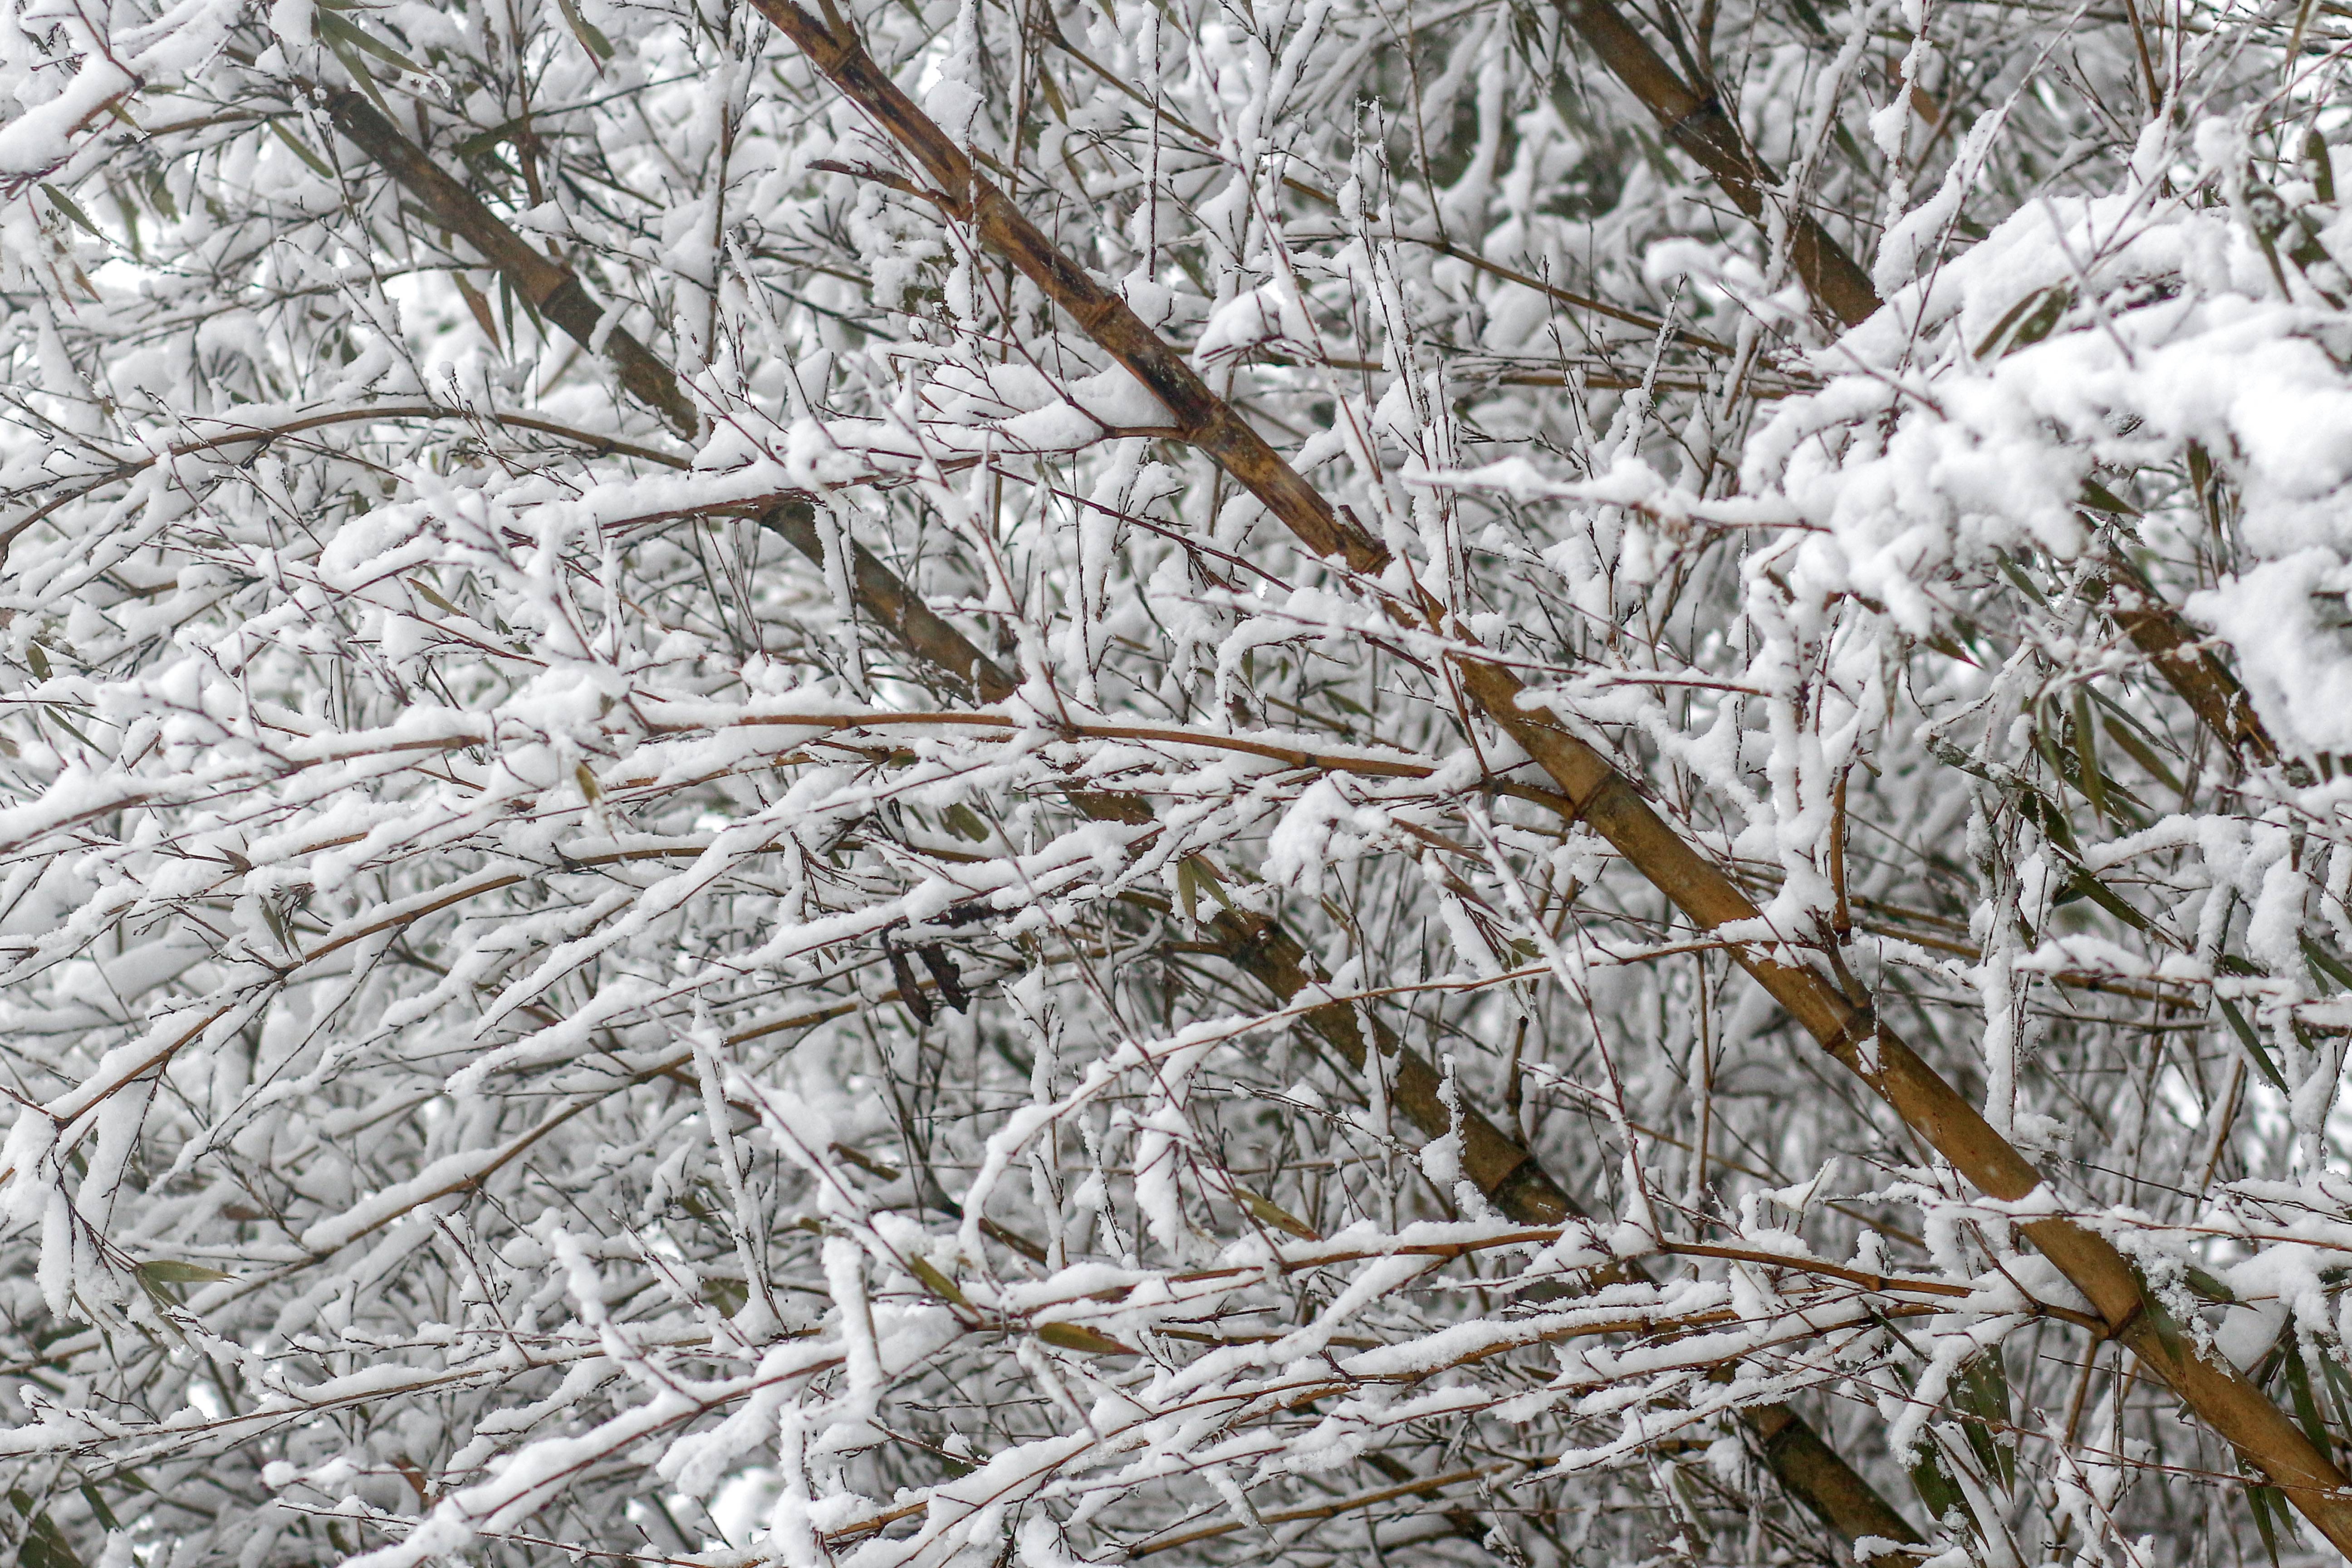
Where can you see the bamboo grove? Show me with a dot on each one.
(997, 781)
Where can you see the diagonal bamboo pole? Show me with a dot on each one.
(1505, 1171)
(1695, 123)
(1847, 1029)
(551, 287)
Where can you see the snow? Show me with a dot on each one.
(640, 1039)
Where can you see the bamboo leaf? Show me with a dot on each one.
(1195, 874)
(2017, 574)
(433, 595)
(2246, 1037)
(1981, 1392)
(2086, 756)
(937, 1283)
(2142, 754)
(44, 1544)
(67, 205)
(480, 307)
(2099, 498)
(2339, 1384)
(483, 143)
(2297, 1378)
(2270, 1511)
(2027, 321)
(2324, 962)
(2206, 1285)
(347, 55)
(1275, 1215)
(317, 165)
(98, 1508)
(599, 47)
(1941, 1494)
(1079, 1338)
(337, 28)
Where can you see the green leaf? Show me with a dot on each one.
(2086, 757)
(2016, 573)
(56, 715)
(45, 1545)
(2262, 1499)
(2028, 322)
(480, 307)
(966, 823)
(2246, 1037)
(1195, 876)
(2166, 1326)
(158, 196)
(433, 595)
(1076, 1337)
(172, 1271)
(2298, 1385)
(599, 47)
(335, 29)
(2099, 498)
(2140, 751)
(98, 1508)
(2207, 1286)
(512, 299)
(2339, 1385)
(483, 143)
(1981, 1392)
(2323, 961)
(66, 206)
(1937, 1489)
(348, 55)
(1950, 646)
(937, 1283)
(2049, 816)
(2107, 898)
(317, 165)
(1275, 1215)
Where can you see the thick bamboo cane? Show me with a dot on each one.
(1695, 123)
(552, 288)
(1505, 1171)
(1847, 1029)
